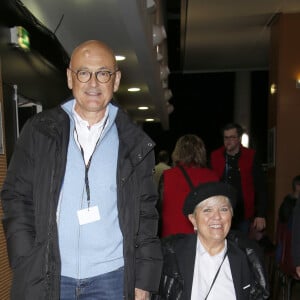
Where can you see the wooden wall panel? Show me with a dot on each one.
(5, 273)
(284, 106)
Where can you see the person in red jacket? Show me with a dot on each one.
(189, 153)
(239, 166)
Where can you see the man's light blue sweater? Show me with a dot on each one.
(95, 248)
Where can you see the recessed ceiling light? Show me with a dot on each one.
(134, 89)
(143, 107)
(120, 57)
(149, 120)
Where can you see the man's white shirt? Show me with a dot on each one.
(87, 136)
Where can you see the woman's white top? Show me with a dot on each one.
(205, 269)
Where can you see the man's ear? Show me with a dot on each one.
(69, 79)
(117, 81)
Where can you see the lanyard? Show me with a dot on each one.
(213, 282)
(87, 166)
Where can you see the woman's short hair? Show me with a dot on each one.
(190, 150)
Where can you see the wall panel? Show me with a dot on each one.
(5, 273)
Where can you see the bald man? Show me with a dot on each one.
(79, 198)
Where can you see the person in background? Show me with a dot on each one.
(79, 198)
(190, 155)
(296, 226)
(287, 206)
(162, 165)
(239, 166)
(212, 263)
(286, 236)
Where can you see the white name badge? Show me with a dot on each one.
(88, 215)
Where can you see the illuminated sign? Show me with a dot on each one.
(20, 37)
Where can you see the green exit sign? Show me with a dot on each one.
(20, 37)
(23, 38)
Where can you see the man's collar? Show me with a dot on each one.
(238, 154)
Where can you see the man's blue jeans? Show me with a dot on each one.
(108, 286)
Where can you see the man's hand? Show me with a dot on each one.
(259, 223)
(141, 294)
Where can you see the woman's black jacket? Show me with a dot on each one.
(245, 259)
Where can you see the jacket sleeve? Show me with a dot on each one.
(260, 188)
(160, 203)
(17, 200)
(171, 283)
(257, 266)
(148, 247)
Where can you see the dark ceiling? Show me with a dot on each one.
(204, 101)
(172, 18)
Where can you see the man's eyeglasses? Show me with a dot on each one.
(102, 76)
(230, 137)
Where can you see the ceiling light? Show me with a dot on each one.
(151, 6)
(170, 108)
(159, 34)
(149, 120)
(159, 56)
(168, 94)
(150, 3)
(143, 107)
(164, 72)
(120, 57)
(134, 89)
(165, 84)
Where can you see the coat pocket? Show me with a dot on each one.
(29, 275)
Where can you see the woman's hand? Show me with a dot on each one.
(141, 295)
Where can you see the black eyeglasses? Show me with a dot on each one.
(102, 76)
(230, 137)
